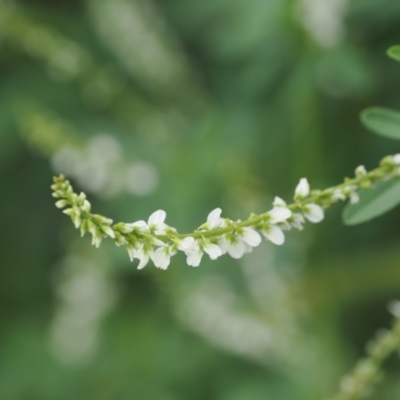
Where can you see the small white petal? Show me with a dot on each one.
(396, 159)
(86, 206)
(161, 258)
(157, 218)
(236, 249)
(251, 237)
(194, 258)
(297, 221)
(108, 231)
(161, 229)
(303, 188)
(158, 242)
(186, 244)
(134, 253)
(279, 214)
(278, 202)
(61, 203)
(360, 171)
(223, 244)
(284, 225)
(212, 250)
(140, 226)
(144, 260)
(338, 195)
(274, 234)
(314, 213)
(96, 241)
(214, 219)
(354, 198)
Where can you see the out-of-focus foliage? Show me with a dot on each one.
(188, 105)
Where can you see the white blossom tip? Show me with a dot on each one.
(302, 189)
(314, 213)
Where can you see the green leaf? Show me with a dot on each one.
(394, 52)
(373, 203)
(383, 121)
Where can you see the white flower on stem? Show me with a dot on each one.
(139, 227)
(284, 225)
(192, 249)
(279, 214)
(236, 247)
(338, 194)
(186, 243)
(211, 249)
(251, 237)
(162, 256)
(61, 203)
(273, 234)
(143, 253)
(313, 212)
(297, 221)
(354, 197)
(156, 222)
(214, 220)
(86, 206)
(278, 202)
(223, 243)
(302, 189)
(194, 257)
(108, 231)
(144, 259)
(360, 171)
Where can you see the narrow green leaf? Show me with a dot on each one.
(383, 121)
(394, 52)
(373, 203)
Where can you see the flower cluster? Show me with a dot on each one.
(155, 240)
(368, 371)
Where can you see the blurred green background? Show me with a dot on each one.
(188, 105)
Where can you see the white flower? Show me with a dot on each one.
(96, 240)
(108, 231)
(338, 195)
(156, 222)
(251, 237)
(279, 214)
(194, 257)
(302, 189)
(214, 220)
(186, 244)
(313, 212)
(396, 159)
(138, 226)
(297, 221)
(143, 254)
(223, 243)
(192, 250)
(233, 245)
(354, 197)
(284, 225)
(211, 249)
(274, 234)
(360, 171)
(278, 202)
(61, 203)
(236, 248)
(162, 256)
